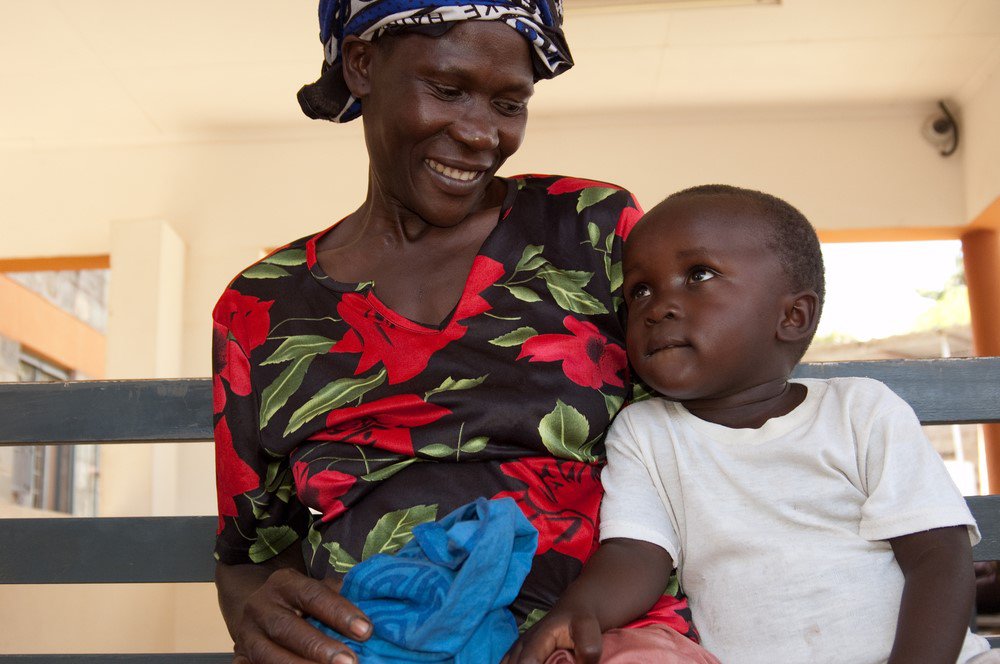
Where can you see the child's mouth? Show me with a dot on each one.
(667, 346)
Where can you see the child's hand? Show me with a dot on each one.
(578, 631)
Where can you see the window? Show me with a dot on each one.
(59, 478)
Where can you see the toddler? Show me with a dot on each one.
(809, 520)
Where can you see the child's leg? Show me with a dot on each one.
(653, 644)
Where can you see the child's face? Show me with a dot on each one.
(705, 298)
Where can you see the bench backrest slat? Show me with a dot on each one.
(108, 550)
(180, 410)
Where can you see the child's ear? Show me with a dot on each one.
(357, 63)
(799, 317)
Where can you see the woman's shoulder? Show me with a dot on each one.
(587, 200)
(279, 272)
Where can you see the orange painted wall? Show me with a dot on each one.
(36, 323)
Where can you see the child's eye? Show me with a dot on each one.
(701, 274)
(639, 291)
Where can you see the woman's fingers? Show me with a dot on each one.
(273, 628)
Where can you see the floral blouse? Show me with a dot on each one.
(343, 424)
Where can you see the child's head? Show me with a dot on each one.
(724, 288)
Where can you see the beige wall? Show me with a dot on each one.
(980, 120)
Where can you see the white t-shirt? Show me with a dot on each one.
(779, 533)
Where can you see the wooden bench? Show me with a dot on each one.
(179, 549)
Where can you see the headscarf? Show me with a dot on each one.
(538, 21)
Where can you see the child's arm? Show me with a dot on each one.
(938, 595)
(620, 582)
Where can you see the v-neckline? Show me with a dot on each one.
(367, 289)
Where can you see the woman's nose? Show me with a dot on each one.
(476, 128)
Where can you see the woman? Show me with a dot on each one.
(458, 335)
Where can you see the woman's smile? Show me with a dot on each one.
(451, 173)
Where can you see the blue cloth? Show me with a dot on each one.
(443, 596)
(538, 21)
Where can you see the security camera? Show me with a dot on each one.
(941, 131)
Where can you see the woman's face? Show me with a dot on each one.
(441, 115)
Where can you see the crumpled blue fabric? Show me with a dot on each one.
(443, 596)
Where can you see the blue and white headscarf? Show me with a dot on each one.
(538, 21)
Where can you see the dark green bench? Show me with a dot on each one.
(179, 549)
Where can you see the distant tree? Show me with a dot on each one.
(950, 304)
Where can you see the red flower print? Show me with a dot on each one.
(588, 359)
(385, 423)
(233, 475)
(561, 501)
(321, 491)
(241, 323)
(667, 611)
(627, 220)
(218, 395)
(403, 348)
(568, 185)
(246, 317)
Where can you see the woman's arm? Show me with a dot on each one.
(938, 595)
(620, 582)
(263, 605)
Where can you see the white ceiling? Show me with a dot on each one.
(78, 71)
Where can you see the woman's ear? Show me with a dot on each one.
(357, 56)
(799, 317)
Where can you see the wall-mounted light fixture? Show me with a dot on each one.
(941, 131)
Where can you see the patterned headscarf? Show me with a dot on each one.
(538, 21)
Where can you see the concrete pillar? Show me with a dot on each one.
(144, 341)
(981, 252)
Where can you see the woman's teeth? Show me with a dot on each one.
(453, 173)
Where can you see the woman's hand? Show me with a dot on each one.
(264, 605)
(568, 628)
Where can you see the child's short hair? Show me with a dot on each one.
(792, 238)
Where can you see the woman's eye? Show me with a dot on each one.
(701, 274)
(639, 291)
(508, 107)
(446, 91)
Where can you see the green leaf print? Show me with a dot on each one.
(515, 338)
(287, 257)
(276, 395)
(524, 294)
(473, 445)
(641, 392)
(593, 234)
(612, 403)
(340, 560)
(388, 471)
(567, 290)
(673, 586)
(334, 395)
(616, 275)
(300, 346)
(592, 196)
(315, 539)
(265, 271)
(395, 529)
(531, 619)
(436, 450)
(564, 433)
(450, 384)
(531, 258)
(270, 542)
